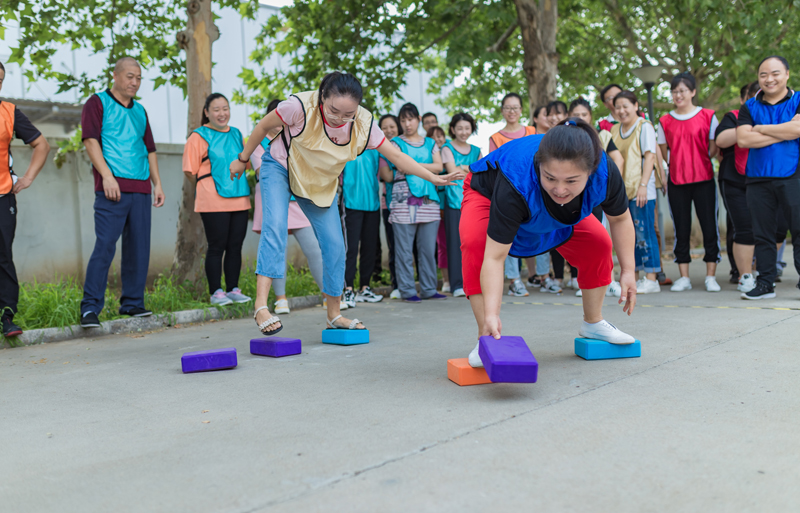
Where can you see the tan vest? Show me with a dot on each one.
(631, 150)
(315, 162)
(605, 136)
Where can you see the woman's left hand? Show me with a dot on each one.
(641, 197)
(443, 179)
(627, 281)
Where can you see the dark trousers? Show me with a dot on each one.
(362, 230)
(390, 243)
(225, 232)
(558, 264)
(452, 219)
(9, 286)
(704, 197)
(766, 200)
(130, 218)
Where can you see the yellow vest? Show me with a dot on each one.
(605, 137)
(315, 162)
(631, 150)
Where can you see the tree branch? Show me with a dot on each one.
(449, 31)
(503, 38)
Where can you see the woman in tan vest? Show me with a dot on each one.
(320, 132)
(635, 138)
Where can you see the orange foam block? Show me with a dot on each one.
(461, 373)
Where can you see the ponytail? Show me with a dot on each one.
(573, 140)
(340, 84)
(211, 98)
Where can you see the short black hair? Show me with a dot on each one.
(3, 68)
(273, 105)
(573, 140)
(580, 102)
(409, 110)
(538, 111)
(429, 114)
(558, 106)
(510, 95)
(389, 116)
(432, 130)
(753, 90)
(684, 78)
(780, 58)
(340, 84)
(462, 116)
(606, 89)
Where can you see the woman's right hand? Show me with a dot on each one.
(492, 326)
(237, 168)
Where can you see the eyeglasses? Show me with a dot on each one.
(511, 109)
(676, 92)
(337, 118)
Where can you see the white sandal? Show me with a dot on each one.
(266, 324)
(353, 324)
(282, 306)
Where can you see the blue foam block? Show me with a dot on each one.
(214, 359)
(591, 349)
(345, 337)
(508, 360)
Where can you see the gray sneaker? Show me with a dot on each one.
(237, 297)
(517, 288)
(219, 298)
(349, 298)
(367, 296)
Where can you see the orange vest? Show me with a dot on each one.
(500, 139)
(6, 133)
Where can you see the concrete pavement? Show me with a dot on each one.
(706, 420)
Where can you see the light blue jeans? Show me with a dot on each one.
(543, 264)
(325, 221)
(512, 268)
(646, 251)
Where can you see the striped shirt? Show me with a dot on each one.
(401, 211)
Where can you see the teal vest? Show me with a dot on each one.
(360, 188)
(224, 148)
(418, 187)
(454, 194)
(122, 138)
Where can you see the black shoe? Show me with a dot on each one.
(735, 277)
(760, 291)
(90, 320)
(798, 284)
(136, 312)
(10, 329)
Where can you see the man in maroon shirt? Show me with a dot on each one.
(119, 142)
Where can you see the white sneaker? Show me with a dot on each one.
(746, 283)
(580, 293)
(550, 285)
(572, 284)
(645, 286)
(446, 286)
(367, 296)
(606, 331)
(475, 358)
(459, 293)
(342, 304)
(395, 294)
(712, 285)
(349, 298)
(614, 289)
(681, 284)
(282, 306)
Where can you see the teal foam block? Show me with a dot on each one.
(591, 349)
(345, 337)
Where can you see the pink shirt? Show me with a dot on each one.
(291, 113)
(297, 219)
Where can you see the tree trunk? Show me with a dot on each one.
(196, 41)
(538, 23)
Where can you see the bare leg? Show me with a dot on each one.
(334, 310)
(684, 270)
(476, 302)
(743, 256)
(711, 268)
(263, 284)
(593, 304)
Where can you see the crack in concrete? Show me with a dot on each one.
(349, 475)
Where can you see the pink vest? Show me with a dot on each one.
(688, 147)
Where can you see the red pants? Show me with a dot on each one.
(589, 248)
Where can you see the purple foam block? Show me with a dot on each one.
(275, 346)
(508, 360)
(214, 359)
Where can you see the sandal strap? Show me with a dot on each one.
(331, 321)
(258, 310)
(353, 324)
(269, 322)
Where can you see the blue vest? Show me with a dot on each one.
(777, 160)
(454, 194)
(542, 232)
(224, 148)
(122, 138)
(418, 187)
(360, 188)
